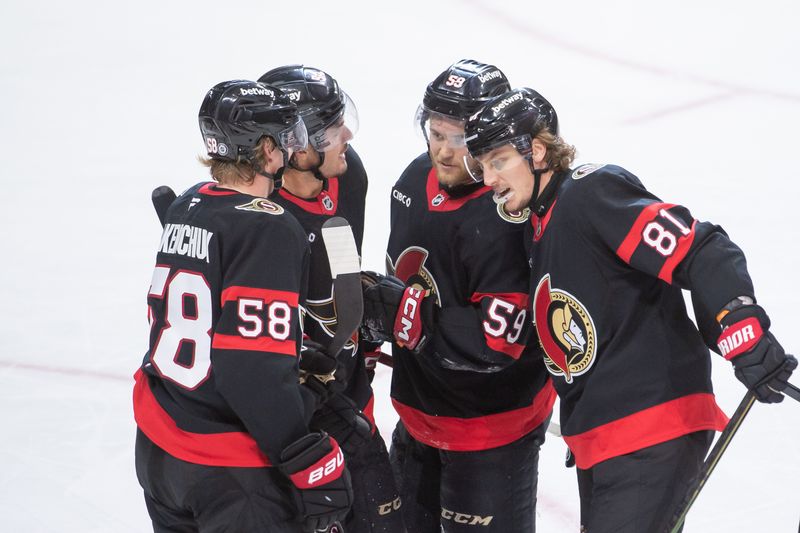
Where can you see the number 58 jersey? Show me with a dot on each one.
(219, 383)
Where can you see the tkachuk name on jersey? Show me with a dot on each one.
(183, 239)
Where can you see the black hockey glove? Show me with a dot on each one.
(345, 422)
(317, 369)
(396, 313)
(758, 360)
(315, 466)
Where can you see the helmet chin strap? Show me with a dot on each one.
(537, 181)
(277, 177)
(315, 169)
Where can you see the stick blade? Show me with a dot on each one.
(346, 273)
(162, 198)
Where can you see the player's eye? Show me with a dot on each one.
(498, 164)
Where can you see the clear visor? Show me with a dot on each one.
(340, 132)
(294, 138)
(439, 129)
(501, 158)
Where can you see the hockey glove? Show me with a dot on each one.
(345, 422)
(758, 360)
(317, 369)
(371, 352)
(323, 493)
(396, 313)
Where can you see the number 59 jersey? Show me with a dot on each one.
(219, 383)
(609, 260)
(478, 383)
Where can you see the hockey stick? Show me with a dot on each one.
(162, 198)
(792, 392)
(346, 273)
(710, 463)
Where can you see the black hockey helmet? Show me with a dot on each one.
(457, 93)
(235, 115)
(463, 88)
(328, 112)
(514, 118)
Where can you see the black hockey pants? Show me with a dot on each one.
(377, 503)
(487, 491)
(638, 492)
(184, 497)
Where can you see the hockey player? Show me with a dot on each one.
(473, 399)
(324, 180)
(222, 441)
(609, 260)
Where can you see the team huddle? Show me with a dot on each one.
(512, 278)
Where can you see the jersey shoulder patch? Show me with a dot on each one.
(261, 205)
(584, 170)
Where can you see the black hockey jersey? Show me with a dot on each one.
(219, 384)
(609, 260)
(343, 196)
(478, 383)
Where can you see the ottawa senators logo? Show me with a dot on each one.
(566, 331)
(324, 314)
(410, 269)
(515, 217)
(261, 205)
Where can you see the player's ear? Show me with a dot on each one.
(271, 152)
(539, 152)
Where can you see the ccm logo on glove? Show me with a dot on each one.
(330, 467)
(740, 337)
(407, 325)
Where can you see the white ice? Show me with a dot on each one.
(99, 101)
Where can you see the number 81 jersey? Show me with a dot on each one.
(609, 260)
(218, 385)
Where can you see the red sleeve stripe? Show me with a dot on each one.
(235, 292)
(259, 344)
(634, 237)
(519, 299)
(684, 244)
(499, 344)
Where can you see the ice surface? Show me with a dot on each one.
(99, 99)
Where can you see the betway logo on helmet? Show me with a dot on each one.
(255, 91)
(506, 102)
(294, 96)
(489, 76)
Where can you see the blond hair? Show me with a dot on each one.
(242, 171)
(560, 155)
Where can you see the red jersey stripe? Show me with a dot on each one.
(237, 449)
(317, 205)
(443, 200)
(479, 433)
(684, 244)
(258, 344)
(657, 424)
(634, 237)
(235, 292)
